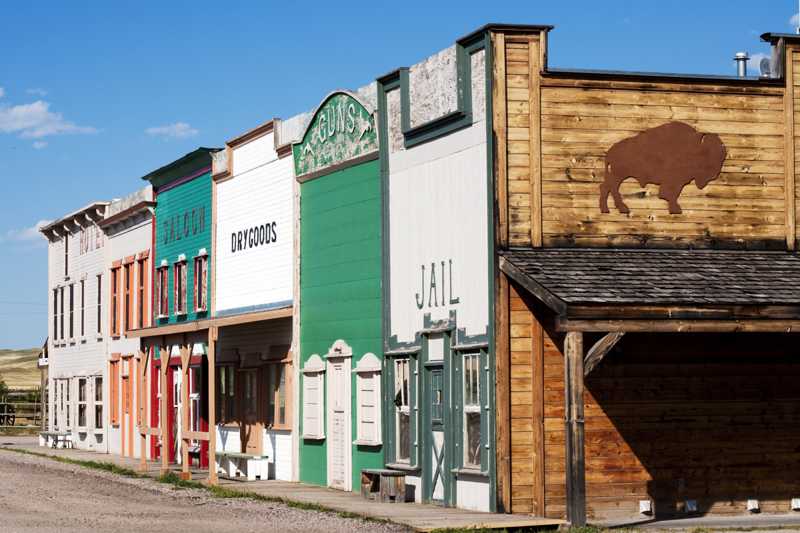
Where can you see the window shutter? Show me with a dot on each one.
(313, 398)
(368, 393)
(183, 286)
(204, 285)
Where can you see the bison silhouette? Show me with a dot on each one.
(670, 155)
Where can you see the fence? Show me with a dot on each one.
(20, 413)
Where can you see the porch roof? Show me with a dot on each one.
(648, 284)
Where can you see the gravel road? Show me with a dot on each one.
(39, 494)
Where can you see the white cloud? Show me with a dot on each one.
(39, 144)
(37, 92)
(25, 235)
(793, 20)
(2, 92)
(35, 120)
(177, 130)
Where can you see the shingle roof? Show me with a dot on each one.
(661, 277)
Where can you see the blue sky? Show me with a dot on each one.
(93, 95)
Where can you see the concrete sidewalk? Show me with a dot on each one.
(419, 517)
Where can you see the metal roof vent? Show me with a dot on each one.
(741, 59)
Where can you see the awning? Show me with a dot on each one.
(661, 290)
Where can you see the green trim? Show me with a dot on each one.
(182, 167)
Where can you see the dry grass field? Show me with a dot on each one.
(18, 368)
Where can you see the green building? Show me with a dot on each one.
(336, 163)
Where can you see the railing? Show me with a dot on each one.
(20, 415)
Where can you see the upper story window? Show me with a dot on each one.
(200, 282)
(55, 314)
(72, 311)
(61, 313)
(127, 298)
(141, 292)
(162, 288)
(114, 307)
(99, 304)
(83, 308)
(179, 283)
(66, 254)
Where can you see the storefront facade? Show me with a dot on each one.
(129, 234)
(647, 304)
(438, 401)
(78, 338)
(336, 164)
(253, 291)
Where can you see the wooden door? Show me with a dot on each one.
(339, 417)
(127, 413)
(251, 427)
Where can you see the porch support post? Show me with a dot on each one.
(143, 397)
(185, 474)
(212, 406)
(573, 409)
(163, 417)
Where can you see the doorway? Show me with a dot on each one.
(252, 428)
(339, 421)
(436, 445)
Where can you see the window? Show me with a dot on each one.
(82, 402)
(99, 304)
(250, 393)
(162, 288)
(277, 386)
(225, 394)
(127, 301)
(200, 282)
(368, 400)
(114, 306)
(72, 311)
(83, 308)
(113, 391)
(472, 410)
(55, 314)
(98, 402)
(56, 403)
(194, 398)
(402, 409)
(61, 314)
(314, 398)
(67, 403)
(141, 293)
(66, 255)
(180, 287)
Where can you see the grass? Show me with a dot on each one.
(18, 368)
(94, 465)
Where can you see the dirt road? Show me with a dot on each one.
(38, 494)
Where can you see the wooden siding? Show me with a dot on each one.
(793, 134)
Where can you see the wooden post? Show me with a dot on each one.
(185, 474)
(499, 120)
(162, 419)
(503, 395)
(573, 409)
(789, 149)
(212, 406)
(144, 359)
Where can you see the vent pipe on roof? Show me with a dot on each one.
(741, 59)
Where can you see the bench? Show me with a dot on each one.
(237, 465)
(388, 486)
(55, 439)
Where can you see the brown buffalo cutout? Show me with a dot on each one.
(670, 155)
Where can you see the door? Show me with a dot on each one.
(127, 422)
(339, 453)
(436, 459)
(177, 414)
(251, 428)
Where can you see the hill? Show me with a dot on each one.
(18, 368)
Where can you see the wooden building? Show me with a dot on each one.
(253, 290)
(336, 164)
(128, 230)
(76, 349)
(647, 295)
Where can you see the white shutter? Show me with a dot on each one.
(313, 398)
(368, 398)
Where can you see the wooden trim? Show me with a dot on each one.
(251, 135)
(503, 395)
(537, 399)
(162, 419)
(129, 259)
(789, 152)
(641, 82)
(200, 325)
(125, 213)
(372, 156)
(212, 405)
(155, 432)
(683, 312)
(144, 399)
(535, 140)
(551, 300)
(575, 467)
(185, 383)
(499, 122)
(284, 150)
(196, 435)
(116, 264)
(680, 326)
(599, 350)
(144, 254)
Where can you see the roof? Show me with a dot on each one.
(566, 278)
(182, 167)
(89, 210)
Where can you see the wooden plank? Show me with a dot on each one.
(575, 461)
(500, 136)
(600, 349)
(185, 474)
(535, 161)
(212, 405)
(668, 98)
(684, 326)
(537, 290)
(537, 422)
(162, 419)
(503, 395)
(789, 188)
(661, 85)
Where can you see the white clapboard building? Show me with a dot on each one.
(252, 300)
(77, 318)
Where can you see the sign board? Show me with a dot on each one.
(341, 130)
